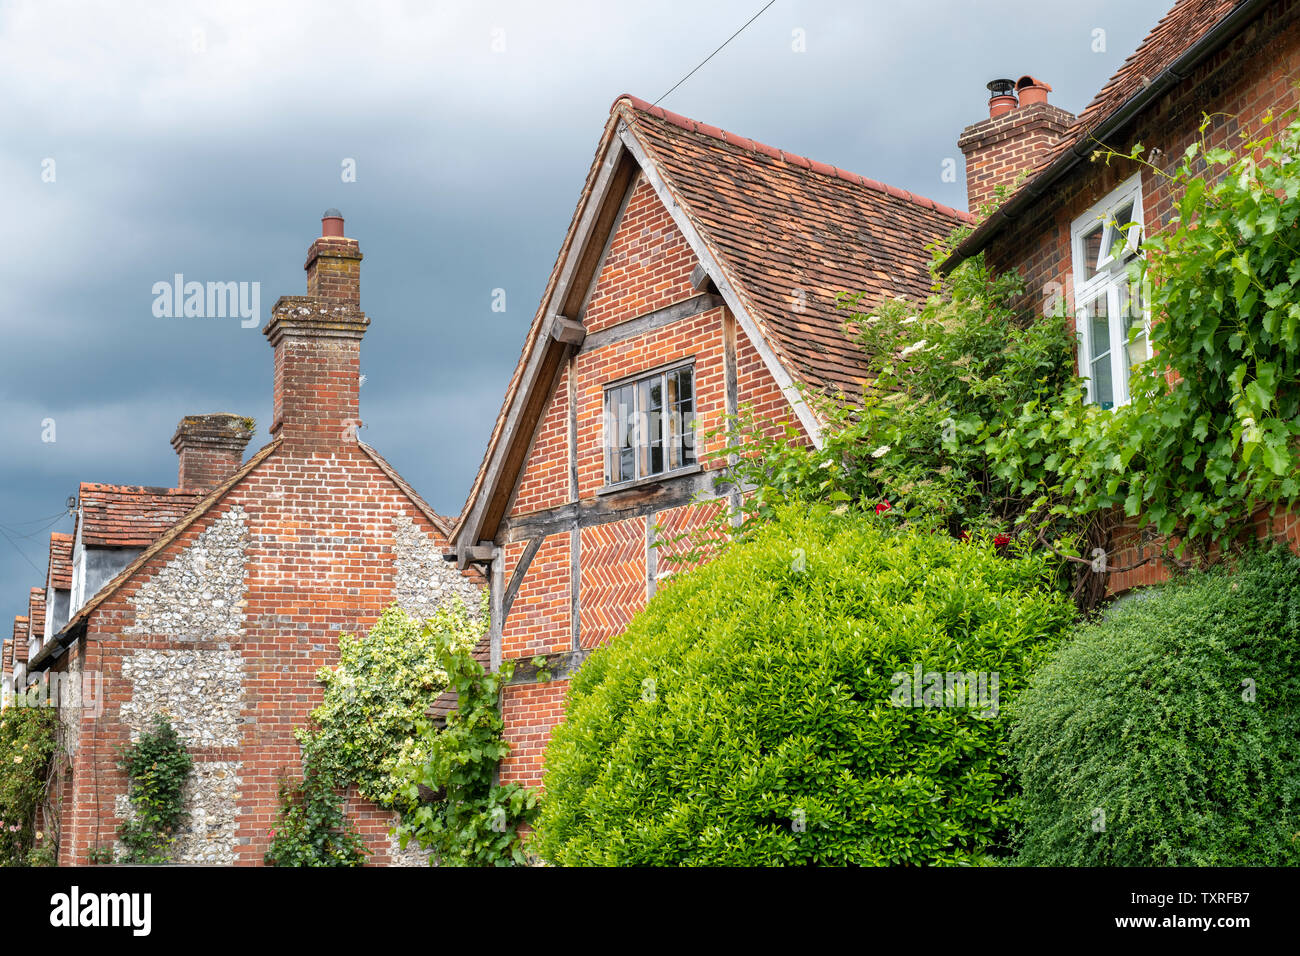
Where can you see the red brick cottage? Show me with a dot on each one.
(698, 277)
(217, 601)
(1233, 60)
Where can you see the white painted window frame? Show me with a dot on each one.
(1110, 280)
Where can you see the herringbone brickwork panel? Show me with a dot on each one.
(613, 583)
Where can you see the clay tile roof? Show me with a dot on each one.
(795, 233)
(20, 628)
(130, 516)
(789, 234)
(1178, 30)
(61, 561)
(36, 612)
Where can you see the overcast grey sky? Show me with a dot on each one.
(206, 138)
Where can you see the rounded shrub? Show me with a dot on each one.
(1168, 733)
(754, 712)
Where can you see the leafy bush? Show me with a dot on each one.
(750, 713)
(947, 379)
(1168, 733)
(960, 427)
(157, 765)
(27, 744)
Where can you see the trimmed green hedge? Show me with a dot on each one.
(1169, 733)
(746, 716)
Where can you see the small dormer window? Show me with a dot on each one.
(650, 424)
(1110, 315)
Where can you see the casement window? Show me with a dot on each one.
(650, 424)
(1110, 315)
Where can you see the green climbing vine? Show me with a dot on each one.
(1212, 434)
(312, 828)
(157, 765)
(452, 804)
(371, 730)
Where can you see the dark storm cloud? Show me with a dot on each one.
(207, 139)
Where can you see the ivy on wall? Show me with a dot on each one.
(157, 765)
(371, 730)
(973, 417)
(451, 802)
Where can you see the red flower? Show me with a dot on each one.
(964, 536)
(1001, 541)
(882, 507)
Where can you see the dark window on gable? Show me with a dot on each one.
(650, 425)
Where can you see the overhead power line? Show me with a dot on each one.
(11, 525)
(13, 531)
(715, 52)
(20, 551)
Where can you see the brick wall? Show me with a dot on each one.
(1253, 74)
(545, 481)
(540, 619)
(1000, 148)
(648, 265)
(530, 711)
(648, 268)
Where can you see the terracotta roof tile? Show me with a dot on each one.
(60, 574)
(36, 613)
(782, 224)
(130, 516)
(1177, 32)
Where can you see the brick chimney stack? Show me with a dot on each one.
(317, 342)
(211, 448)
(1021, 127)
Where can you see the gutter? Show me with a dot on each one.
(1214, 39)
(53, 649)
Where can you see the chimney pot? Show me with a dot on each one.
(331, 224)
(1032, 90)
(1002, 97)
(1011, 139)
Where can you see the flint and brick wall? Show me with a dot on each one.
(225, 630)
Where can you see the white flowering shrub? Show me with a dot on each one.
(378, 693)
